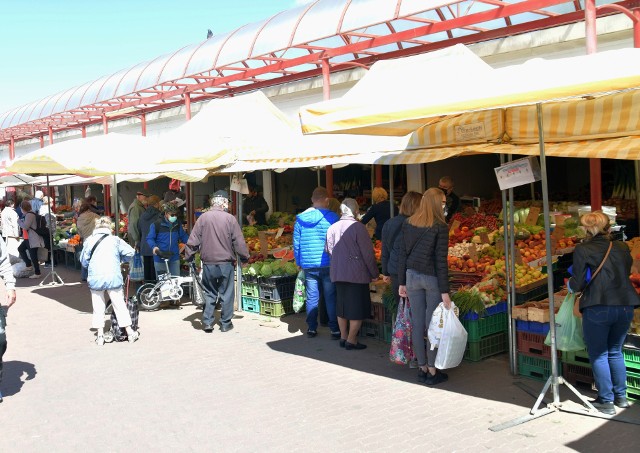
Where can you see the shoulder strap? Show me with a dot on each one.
(94, 247)
(36, 217)
(606, 255)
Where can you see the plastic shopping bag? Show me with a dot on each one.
(299, 293)
(436, 325)
(401, 350)
(568, 327)
(136, 272)
(453, 340)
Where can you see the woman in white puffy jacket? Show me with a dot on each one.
(101, 255)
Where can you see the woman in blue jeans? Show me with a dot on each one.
(423, 275)
(606, 306)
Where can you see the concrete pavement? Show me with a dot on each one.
(264, 386)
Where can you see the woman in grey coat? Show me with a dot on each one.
(353, 267)
(34, 242)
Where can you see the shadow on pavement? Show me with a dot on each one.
(74, 296)
(13, 371)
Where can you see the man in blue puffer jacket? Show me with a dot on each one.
(165, 234)
(309, 241)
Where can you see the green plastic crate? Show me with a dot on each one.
(483, 327)
(251, 304)
(387, 330)
(372, 329)
(577, 358)
(488, 346)
(534, 367)
(632, 358)
(633, 381)
(276, 309)
(250, 289)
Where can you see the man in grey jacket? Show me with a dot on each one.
(6, 272)
(218, 237)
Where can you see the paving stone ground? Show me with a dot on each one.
(262, 387)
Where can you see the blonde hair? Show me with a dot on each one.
(410, 203)
(379, 194)
(334, 205)
(430, 210)
(104, 222)
(595, 223)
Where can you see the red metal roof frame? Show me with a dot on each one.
(462, 21)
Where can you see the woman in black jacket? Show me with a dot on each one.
(380, 210)
(149, 216)
(423, 275)
(606, 306)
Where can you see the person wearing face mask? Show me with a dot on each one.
(453, 201)
(164, 237)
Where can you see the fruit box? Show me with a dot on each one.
(521, 312)
(530, 286)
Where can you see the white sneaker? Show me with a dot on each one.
(35, 276)
(133, 338)
(100, 341)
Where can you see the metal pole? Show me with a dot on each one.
(510, 234)
(117, 213)
(238, 263)
(391, 194)
(513, 350)
(56, 280)
(547, 230)
(636, 167)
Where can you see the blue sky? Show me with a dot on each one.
(47, 46)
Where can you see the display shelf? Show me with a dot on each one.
(486, 347)
(483, 327)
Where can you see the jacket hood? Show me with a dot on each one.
(150, 213)
(312, 216)
(102, 231)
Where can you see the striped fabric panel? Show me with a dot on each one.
(608, 116)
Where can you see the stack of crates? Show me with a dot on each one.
(250, 294)
(375, 327)
(486, 334)
(276, 295)
(632, 362)
(534, 357)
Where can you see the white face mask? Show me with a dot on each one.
(172, 218)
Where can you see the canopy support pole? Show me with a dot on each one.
(391, 194)
(238, 263)
(554, 380)
(513, 353)
(56, 280)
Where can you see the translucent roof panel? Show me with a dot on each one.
(91, 95)
(61, 102)
(276, 34)
(149, 75)
(411, 7)
(237, 48)
(34, 114)
(128, 83)
(18, 114)
(76, 97)
(108, 90)
(319, 22)
(204, 56)
(177, 64)
(47, 109)
(364, 12)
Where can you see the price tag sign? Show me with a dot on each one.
(473, 253)
(558, 233)
(499, 245)
(518, 256)
(279, 233)
(264, 243)
(560, 218)
(532, 218)
(518, 172)
(484, 238)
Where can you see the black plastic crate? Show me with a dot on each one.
(277, 288)
(537, 293)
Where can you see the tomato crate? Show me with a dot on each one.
(532, 327)
(632, 358)
(580, 358)
(579, 376)
(486, 347)
(251, 304)
(372, 329)
(276, 309)
(277, 288)
(377, 312)
(534, 367)
(250, 289)
(483, 327)
(533, 344)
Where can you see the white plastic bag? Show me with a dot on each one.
(434, 332)
(453, 340)
(12, 249)
(20, 270)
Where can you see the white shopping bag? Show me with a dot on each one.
(453, 340)
(12, 249)
(434, 330)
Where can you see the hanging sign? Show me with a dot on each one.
(518, 172)
(470, 132)
(240, 185)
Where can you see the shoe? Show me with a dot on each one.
(413, 363)
(100, 341)
(218, 306)
(226, 328)
(621, 402)
(33, 276)
(29, 267)
(342, 343)
(207, 328)
(335, 335)
(606, 407)
(423, 375)
(438, 378)
(311, 333)
(133, 338)
(349, 346)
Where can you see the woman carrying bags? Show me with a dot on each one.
(353, 267)
(423, 275)
(607, 307)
